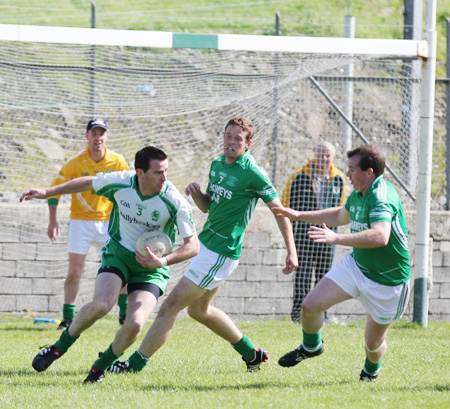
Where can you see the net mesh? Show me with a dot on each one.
(180, 101)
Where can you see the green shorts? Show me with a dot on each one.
(117, 256)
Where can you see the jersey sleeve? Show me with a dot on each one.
(381, 211)
(263, 186)
(185, 220)
(106, 184)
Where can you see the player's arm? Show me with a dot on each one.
(333, 216)
(285, 227)
(377, 236)
(72, 186)
(189, 249)
(201, 199)
(53, 226)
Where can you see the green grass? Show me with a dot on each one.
(196, 369)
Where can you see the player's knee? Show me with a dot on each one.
(168, 308)
(133, 327)
(100, 308)
(74, 275)
(375, 346)
(196, 313)
(309, 306)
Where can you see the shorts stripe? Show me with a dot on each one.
(403, 300)
(212, 272)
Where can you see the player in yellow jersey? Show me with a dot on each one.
(89, 213)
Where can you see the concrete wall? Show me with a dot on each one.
(32, 270)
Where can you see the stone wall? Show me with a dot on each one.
(32, 270)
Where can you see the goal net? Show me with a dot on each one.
(179, 99)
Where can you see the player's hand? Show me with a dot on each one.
(322, 234)
(286, 212)
(33, 194)
(53, 230)
(151, 260)
(193, 188)
(291, 264)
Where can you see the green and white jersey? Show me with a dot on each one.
(133, 214)
(234, 190)
(388, 265)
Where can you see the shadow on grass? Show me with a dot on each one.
(26, 329)
(238, 386)
(27, 372)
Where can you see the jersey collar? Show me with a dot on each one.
(374, 184)
(106, 157)
(239, 161)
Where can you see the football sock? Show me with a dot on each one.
(69, 311)
(137, 362)
(65, 341)
(312, 342)
(371, 368)
(246, 348)
(107, 359)
(122, 302)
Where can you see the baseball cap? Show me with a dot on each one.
(96, 123)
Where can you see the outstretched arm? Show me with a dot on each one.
(72, 186)
(333, 216)
(200, 199)
(377, 236)
(285, 227)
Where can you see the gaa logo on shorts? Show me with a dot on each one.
(155, 215)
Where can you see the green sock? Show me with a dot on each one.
(371, 368)
(69, 311)
(137, 362)
(107, 359)
(65, 341)
(246, 348)
(312, 342)
(122, 302)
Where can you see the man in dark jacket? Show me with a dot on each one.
(318, 185)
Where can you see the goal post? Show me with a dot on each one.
(178, 90)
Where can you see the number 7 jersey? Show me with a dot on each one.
(234, 190)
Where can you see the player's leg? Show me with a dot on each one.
(72, 288)
(220, 323)
(323, 296)
(383, 304)
(184, 293)
(107, 288)
(79, 240)
(142, 301)
(214, 318)
(100, 237)
(375, 337)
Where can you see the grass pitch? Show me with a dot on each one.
(197, 369)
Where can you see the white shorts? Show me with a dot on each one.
(384, 303)
(85, 233)
(209, 269)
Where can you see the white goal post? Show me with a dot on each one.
(176, 90)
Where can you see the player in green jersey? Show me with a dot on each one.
(143, 200)
(377, 272)
(236, 182)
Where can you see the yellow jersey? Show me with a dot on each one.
(87, 205)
